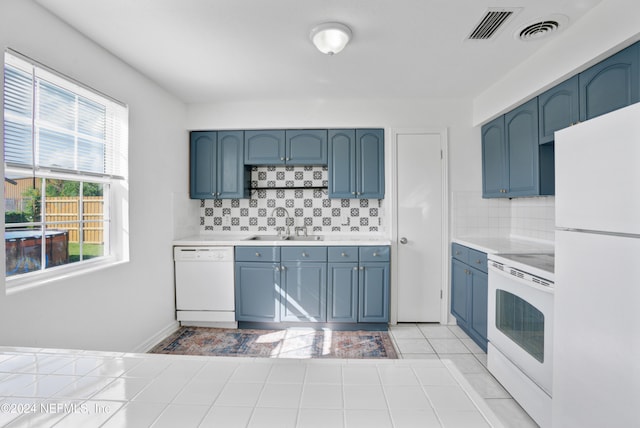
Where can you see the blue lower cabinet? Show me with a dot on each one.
(460, 292)
(312, 284)
(469, 292)
(342, 292)
(373, 291)
(304, 290)
(257, 291)
(479, 293)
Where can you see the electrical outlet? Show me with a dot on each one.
(226, 220)
(345, 220)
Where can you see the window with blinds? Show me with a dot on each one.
(64, 145)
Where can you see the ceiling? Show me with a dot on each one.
(208, 51)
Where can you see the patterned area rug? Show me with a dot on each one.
(289, 343)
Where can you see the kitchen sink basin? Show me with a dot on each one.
(286, 238)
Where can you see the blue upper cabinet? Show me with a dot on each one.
(202, 158)
(558, 108)
(494, 159)
(611, 84)
(216, 165)
(356, 163)
(265, 147)
(306, 147)
(521, 135)
(513, 163)
(342, 163)
(370, 163)
(290, 147)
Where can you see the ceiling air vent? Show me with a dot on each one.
(490, 23)
(541, 28)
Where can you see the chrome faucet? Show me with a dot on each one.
(286, 221)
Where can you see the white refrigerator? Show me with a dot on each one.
(596, 364)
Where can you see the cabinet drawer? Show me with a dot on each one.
(257, 254)
(374, 254)
(478, 260)
(460, 252)
(343, 254)
(302, 254)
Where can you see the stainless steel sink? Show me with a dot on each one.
(286, 238)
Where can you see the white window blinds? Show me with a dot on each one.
(52, 123)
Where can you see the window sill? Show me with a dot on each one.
(50, 276)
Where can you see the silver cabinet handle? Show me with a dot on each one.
(282, 268)
(257, 254)
(361, 267)
(304, 254)
(375, 254)
(343, 254)
(277, 268)
(403, 240)
(281, 159)
(355, 268)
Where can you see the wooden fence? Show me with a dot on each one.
(66, 208)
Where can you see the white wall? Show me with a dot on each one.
(119, 308)
(609, 27)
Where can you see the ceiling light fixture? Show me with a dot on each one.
(330, 37)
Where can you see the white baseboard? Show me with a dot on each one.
(148, 344)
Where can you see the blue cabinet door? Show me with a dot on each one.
(266, 147)
(521, 135)
(558, 108)
(494, 159)
(304, 291)
(356, 163)
(370, 163)
(373, 292)
(460, 293)
(342, 292)
(342, 163)
(611, 84)
(469, 288)
(232, 177)
(257, 291)
(306, 147)
(478, 322)
(202, 159)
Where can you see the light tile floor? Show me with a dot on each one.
(440, 380)
(44, 388)
(435, 341)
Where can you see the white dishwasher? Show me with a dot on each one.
(205, 286)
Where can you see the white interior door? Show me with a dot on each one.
(420, 227)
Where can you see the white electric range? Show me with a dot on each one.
(520, 328)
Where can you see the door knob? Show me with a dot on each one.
(403, 240)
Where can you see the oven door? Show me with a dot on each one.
(521, 324)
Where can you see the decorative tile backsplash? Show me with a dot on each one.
(306, 207)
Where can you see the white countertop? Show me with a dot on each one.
(515, 245)
(236, 239)
(492, 245)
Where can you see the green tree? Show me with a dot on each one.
(72, 188)
(33, 204)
